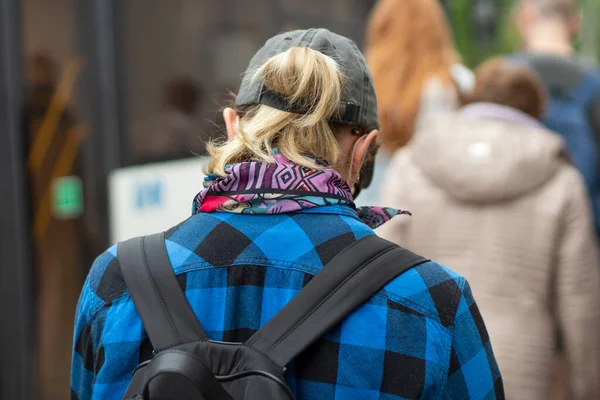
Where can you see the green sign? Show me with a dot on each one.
(67, 197)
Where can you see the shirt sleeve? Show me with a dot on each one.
(87, 354)
(473, 372)
(83, 357)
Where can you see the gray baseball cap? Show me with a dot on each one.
(358, 105)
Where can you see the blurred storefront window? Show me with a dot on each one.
(55, 134)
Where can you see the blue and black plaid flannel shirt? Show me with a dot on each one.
(421, 337)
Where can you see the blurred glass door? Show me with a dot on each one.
(55, 135)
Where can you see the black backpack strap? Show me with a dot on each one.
(166, 314)
(350, 279)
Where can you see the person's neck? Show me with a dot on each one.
(550, 37)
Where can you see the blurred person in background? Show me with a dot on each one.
(174, 132)
(245, 253)
(494, 196)
(410, 50)
(548, 29)
(58, 248)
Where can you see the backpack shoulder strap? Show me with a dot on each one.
(166, 314)
(350, 279)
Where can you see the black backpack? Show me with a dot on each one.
(187, 365)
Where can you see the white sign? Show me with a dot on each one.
(151, 198)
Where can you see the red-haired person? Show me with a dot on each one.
(417, 74)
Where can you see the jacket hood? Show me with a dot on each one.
(487, 153)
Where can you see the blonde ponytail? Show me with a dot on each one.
(307, 78)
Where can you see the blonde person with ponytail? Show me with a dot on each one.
(307, 77)
(276, 208)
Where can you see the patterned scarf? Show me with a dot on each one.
(282, 187)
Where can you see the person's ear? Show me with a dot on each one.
(231, 122)
(360, 150)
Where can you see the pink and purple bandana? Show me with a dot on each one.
(282, 187)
